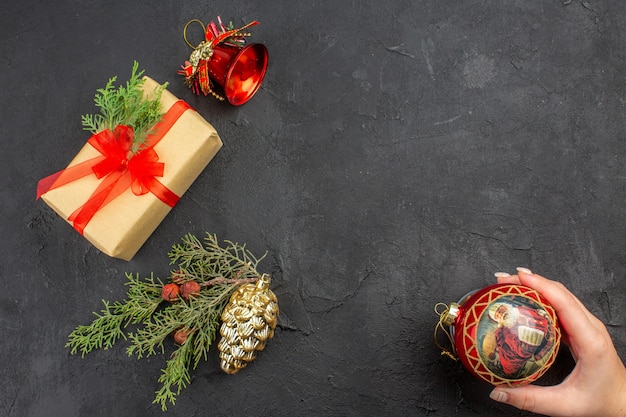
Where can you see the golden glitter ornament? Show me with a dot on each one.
(248, 321)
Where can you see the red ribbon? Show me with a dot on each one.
(213, 35)
(120, 169)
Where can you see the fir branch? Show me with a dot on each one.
(203, 262)
(148, 339)
(143, 299)
(202, 317)
(175, 377)
(217, 270)
(208, 322)
(128, 106)
(102, 333)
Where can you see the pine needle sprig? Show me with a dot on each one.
(175, 377)
(201, 318)
(207, 261)
(217, 270)
(148, 339)
(101, 334)
(126, 105)
(204, 319)
(143, 299)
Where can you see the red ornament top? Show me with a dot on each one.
(505, 334)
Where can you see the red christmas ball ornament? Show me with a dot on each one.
(505, 334)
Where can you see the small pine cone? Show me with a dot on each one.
(248, 321)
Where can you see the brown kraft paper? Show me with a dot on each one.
(120, 228)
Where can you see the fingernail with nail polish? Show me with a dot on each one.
(524, 270)
(502, 274)
(499, 396)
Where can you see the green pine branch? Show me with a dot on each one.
(102, 333)
(143, 299)
(217, 270)
(126, 105)
(201, 317)
(203, 261)
(175, 377)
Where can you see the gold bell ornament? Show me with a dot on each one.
(248, 321)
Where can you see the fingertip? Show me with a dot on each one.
(530, 279)
(499, 395)
(502, 277)
(533, 398)
(506, 278)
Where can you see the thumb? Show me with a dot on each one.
(536, 399)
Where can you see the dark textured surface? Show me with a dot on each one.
(398, 153)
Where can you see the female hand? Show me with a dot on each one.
(597, 384)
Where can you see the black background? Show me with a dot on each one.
(397, 155)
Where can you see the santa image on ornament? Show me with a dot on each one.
(516, 337)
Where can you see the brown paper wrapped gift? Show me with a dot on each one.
(120, 227)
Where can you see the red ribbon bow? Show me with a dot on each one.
(120, 168)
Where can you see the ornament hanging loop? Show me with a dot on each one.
(446, 318)
(185, 31)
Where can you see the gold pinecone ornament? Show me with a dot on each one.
(248, 321)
